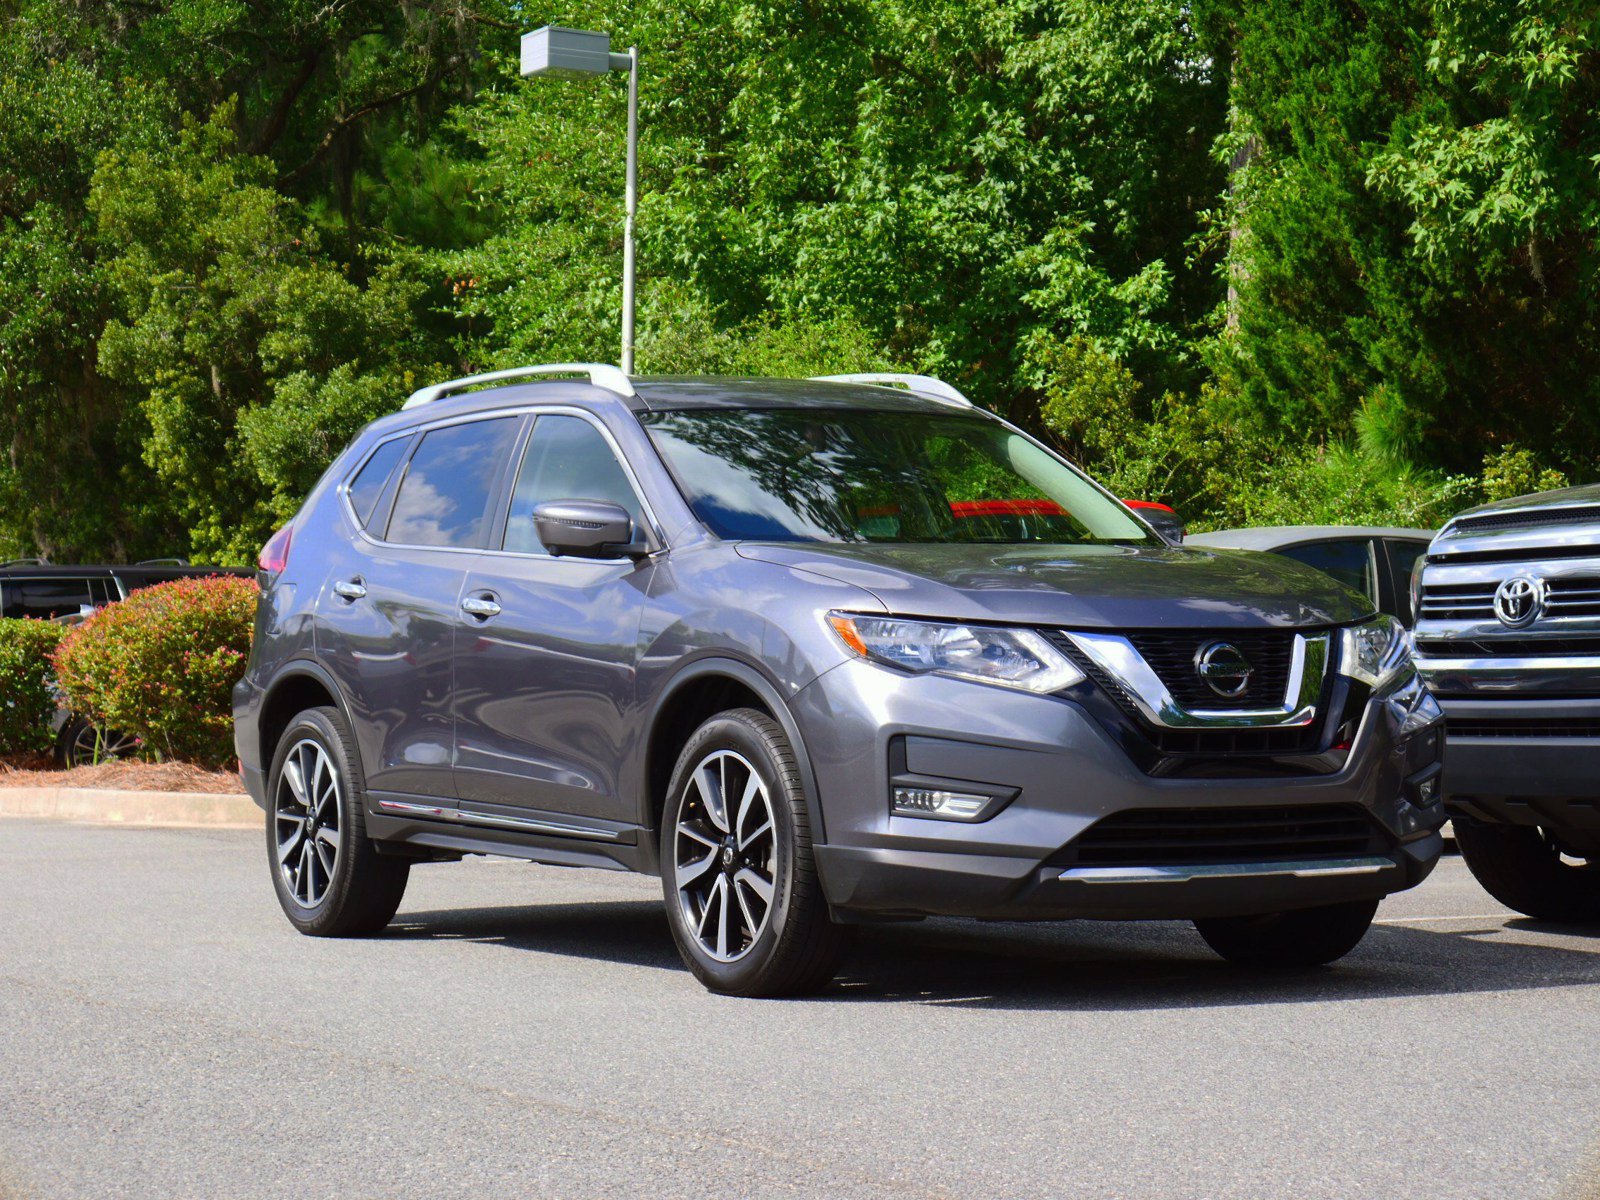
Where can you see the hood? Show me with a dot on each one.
(1081, 587)
(1584, 494)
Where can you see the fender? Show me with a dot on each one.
(302, 668)
(771, 695)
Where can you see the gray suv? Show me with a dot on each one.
(818, 652)
(1508, 634)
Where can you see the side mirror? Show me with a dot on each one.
(1160, 517)
(586, 529)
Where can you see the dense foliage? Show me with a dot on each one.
(1267, 260)
(161, 665)
(27, 701)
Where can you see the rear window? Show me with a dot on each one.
(445, 494)
(368, 485)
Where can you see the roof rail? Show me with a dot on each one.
(23, 562)
(162, 562)
(600, 374)
(923, 385)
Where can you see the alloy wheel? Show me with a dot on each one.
(306, 822)
(725, 855)
(92, 745)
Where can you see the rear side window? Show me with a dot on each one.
(1350, 562)
(567, 459)
(46, 598)
(368, 485)
(448, 486)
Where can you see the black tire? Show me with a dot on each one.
(1520, 867)
(1306, 937)
(797, 946)
(81, 744)
(363, 889)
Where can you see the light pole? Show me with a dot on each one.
(572, 53)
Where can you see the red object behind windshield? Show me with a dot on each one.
(1006, 508)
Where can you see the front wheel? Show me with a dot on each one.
(742, 892)
(1306, 937)
(1522, 867)
(330, 879)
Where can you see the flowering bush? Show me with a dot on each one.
(161, 665)
(27, 701)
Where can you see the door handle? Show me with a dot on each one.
(480, 606)
(350, 589)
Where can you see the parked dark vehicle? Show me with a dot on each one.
(30, 587)
(66, 593)
(1508, 635)
(1377, 562)
(785, 643)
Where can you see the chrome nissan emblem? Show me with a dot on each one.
(1519, 601)
(1224, 669)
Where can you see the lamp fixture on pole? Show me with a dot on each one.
(574, 53)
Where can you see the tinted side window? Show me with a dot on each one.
(1350, 562)
(369, 482)
(567, 459)
(449, 483)
(46, 598)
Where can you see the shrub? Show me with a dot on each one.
(161, 665)
(27, 700)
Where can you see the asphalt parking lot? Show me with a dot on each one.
(527, 1031)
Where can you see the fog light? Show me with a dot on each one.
(937, 802)
(1425, 792)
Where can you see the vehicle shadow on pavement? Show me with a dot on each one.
(1112, 966)
(1070, 965)
(625, 931)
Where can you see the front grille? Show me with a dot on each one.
(1570, 596)
(1160, 837)
(1172, 657)
(1220, 746)
(1523, 647)
(1522, 727)
(1526, 520)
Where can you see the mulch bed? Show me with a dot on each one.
(40, 770)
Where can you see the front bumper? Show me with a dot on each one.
(1067, 773)
(1525, 762)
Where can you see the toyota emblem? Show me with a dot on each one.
(1224, 669)
(1519, 601)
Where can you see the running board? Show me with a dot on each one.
(1316, 868)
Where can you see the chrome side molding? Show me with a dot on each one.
(434, 812)
(1314, 868)
(1119, 658)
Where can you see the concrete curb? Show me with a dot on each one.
(118, 806)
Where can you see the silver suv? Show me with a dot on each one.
(1508, 637)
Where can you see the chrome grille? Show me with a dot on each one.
(1172, 655)
(1567, 596)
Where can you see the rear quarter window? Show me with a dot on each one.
(366, 487)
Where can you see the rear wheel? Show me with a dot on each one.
(1306, 937)
(330, 879)
(742, 893)
(1524, 868)
(84, 744)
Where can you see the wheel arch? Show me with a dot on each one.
(302, 684)
(698, 691)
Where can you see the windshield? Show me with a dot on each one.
(814, 475)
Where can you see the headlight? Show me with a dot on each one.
(1376, 653)
(1014, 658)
